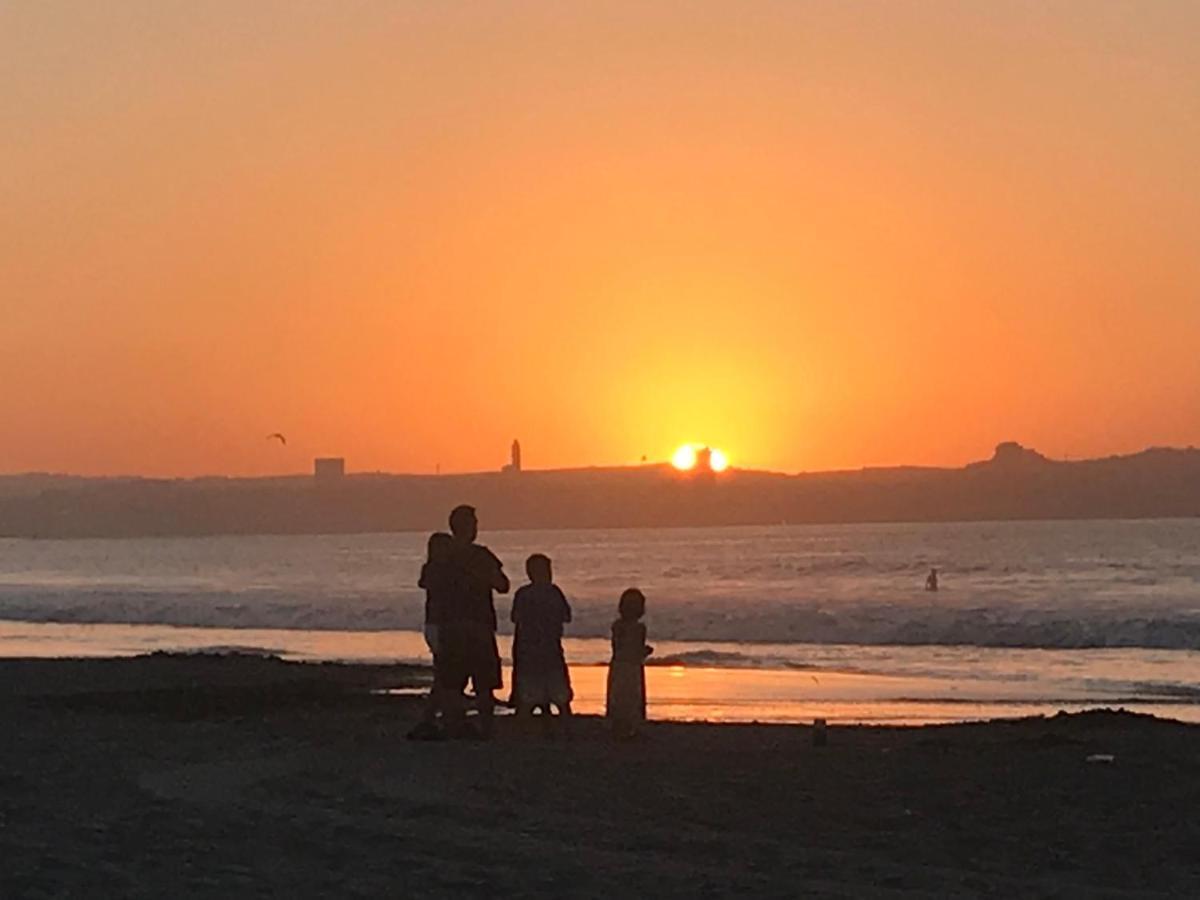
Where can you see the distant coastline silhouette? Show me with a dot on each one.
(1013, 484)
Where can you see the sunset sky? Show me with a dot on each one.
(817, 235)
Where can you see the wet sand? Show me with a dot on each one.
(729, 682)
(237, 776)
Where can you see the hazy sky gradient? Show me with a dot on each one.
(816, 234)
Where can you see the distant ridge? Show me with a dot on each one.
(1015, 483)
(1011, 455)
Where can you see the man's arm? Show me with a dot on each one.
(496, 578)
(500, 580)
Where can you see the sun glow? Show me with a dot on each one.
(688, 456)
(684, 458)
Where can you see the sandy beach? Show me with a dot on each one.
(219, 776)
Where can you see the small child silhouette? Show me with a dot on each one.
(540, 674)
(626, 673)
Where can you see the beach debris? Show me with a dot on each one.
(820, 733)
(1101, 758)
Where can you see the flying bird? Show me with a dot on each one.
(275, 435)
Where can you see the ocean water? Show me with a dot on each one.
(766, 623)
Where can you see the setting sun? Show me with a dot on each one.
(688, 456)
(684, 458)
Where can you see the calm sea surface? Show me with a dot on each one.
(778, 623)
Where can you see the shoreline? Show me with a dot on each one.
(266, 677)
(721, 681)
(212, 775)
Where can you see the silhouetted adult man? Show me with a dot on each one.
(467, 635)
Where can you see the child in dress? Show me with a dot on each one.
(627, 672)
(540, 675)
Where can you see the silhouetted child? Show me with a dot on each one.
(540, 674)
(436, 579)
(627, 673)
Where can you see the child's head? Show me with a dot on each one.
(632, 605)
(440, 545)
(538, 568)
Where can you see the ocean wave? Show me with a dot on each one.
(714, 619)
(724, 659)
(1171, 693)
(231, 650)
(1044, 585)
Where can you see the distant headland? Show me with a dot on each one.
(1015, 483)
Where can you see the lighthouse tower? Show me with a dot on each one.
(514, 464)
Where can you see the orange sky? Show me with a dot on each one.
(819, 235)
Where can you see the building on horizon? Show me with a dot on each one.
(329, 469)
(514, 464)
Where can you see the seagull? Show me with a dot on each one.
(275, 435)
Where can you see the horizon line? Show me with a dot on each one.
(662, 464)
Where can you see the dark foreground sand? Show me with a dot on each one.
(228, 777)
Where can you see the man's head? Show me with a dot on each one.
(463, 524)
(538, 568)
